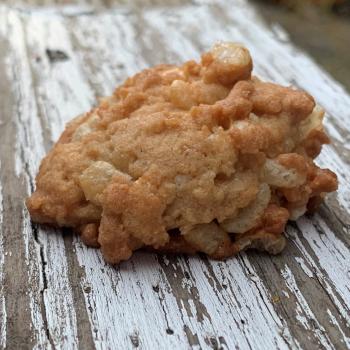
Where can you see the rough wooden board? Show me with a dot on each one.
(56, 294)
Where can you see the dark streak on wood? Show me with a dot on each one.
(56, 55)
(76, 273)
(192, 338)
(183, 295)
(337, 220)
(43, 290)
(134, 338)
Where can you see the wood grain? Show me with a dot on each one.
(57, 293)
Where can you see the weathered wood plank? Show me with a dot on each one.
(52, 314)
(297, 300)
(21, 282)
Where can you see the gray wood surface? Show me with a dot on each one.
(55, 61)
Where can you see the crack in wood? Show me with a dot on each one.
(43, 264)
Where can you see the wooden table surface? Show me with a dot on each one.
(55, 293)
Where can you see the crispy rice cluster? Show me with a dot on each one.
(197, 158)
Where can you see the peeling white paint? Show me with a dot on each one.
(300, 317)
(332, 260)
(304, 313)
(285, 293)
(61, 91)
(247, 295)
(304, 267)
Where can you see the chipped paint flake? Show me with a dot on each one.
(285, 293)
(304, 267)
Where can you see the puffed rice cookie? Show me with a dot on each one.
(201, 157)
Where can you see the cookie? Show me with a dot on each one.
(201, 157)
